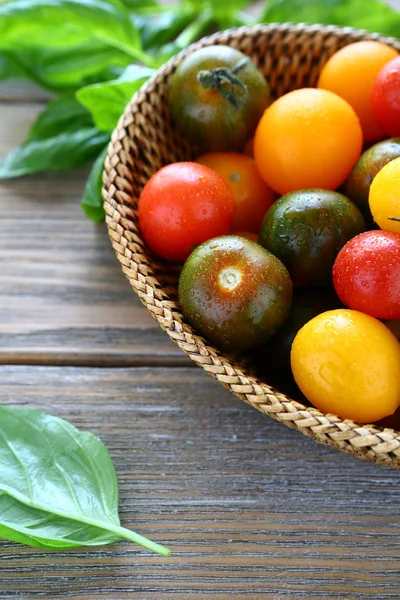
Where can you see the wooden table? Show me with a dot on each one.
(250, 508)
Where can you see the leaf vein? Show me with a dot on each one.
(63, 473)
(24, 468)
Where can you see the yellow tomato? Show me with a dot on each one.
(348, 363)
(384, 197)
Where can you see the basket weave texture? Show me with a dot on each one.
(290, 56)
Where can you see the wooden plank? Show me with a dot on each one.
(249, 507)
(15, 120)
(19, 90)
(63, 296)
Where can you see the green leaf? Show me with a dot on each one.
(92, 201)
(157, 30)
(58, 486)
(63, 24)
(106, 101)
(63, 114)
(62, 137)
(377, 16)
(141, 5)
(215, 5)
(59, 69)
(10, 69)
(133, 73)
(65, 150)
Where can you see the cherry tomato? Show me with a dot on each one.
(386, 97)
(365, 170)
(366, 274)
(182, 205)
(271, 360)
(252, 195)
(234, 292)
(216, 97)
(306, 229)
(348, 363)
(384, 197)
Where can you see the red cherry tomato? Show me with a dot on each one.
(385, 97)
(366, 274)
(181, 206)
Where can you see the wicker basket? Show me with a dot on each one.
(290, 56)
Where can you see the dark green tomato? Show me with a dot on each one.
(271, 361)
(306, 229)
(364, 171)
(216, 97)
(234, 293)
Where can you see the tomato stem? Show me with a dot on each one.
(224, 81)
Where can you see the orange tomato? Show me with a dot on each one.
(252, 195)
(351, 72)
(308, 138)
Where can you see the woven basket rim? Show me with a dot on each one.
(369, 442)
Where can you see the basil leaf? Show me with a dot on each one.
(10, 69)
(59, 69)
(140, 5)
(58, 486)
(62, 114)
(92, 201)
(133, 73)
(63, 137)
(65, 150)
(157, 30)
(27, 24)
(215, 5)
(106, 101)
(378, 16)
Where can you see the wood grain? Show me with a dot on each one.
(249, 508)
(63, 297)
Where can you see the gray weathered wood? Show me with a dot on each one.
(63, 297)
(249, 507)
(20, 90)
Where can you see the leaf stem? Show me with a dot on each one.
(120, 532)
(139, 539)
